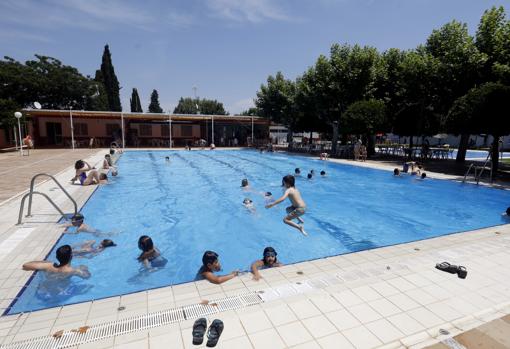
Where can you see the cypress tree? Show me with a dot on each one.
(109, 79)
(136, 106)
(154, 106)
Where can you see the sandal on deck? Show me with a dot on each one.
(214, 333)
(449, 268)
(461, 272)
(199, 328)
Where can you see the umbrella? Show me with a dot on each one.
(441, 136)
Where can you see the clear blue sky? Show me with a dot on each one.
(226, 48)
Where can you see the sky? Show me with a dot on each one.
(224, 48)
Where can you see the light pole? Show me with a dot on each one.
(72, 126)
(170, 129)
(18, 116)
(122, 125)
(252, 140)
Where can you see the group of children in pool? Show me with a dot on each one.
(151, 257)
(413, 168)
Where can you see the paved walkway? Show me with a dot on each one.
(16, 171)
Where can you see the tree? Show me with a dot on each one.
(154, 106)
(365, 117)
(211, 107)
(254, 111)
(483, 109)
(109, 79)
(136, 106)
(493, 39)
(417, 114)
(276, 101)
(459, 67)
(187, 106)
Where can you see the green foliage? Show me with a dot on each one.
(254, 111)
(196, 105)
(109, 79)
(276, 100)
(154, 106)
(49, 82)
(365, 117)
(136, 106)
(7, 109)
(211, 107)
(483, 109)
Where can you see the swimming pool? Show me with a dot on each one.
(194, 203)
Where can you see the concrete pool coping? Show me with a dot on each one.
(401, 308)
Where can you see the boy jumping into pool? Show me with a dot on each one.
(298, 207)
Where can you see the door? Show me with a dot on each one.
(54, 133)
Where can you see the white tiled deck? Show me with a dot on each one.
(389, 297)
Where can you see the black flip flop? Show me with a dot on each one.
(199, 328)
(461, 272)
(449, 268)
(214, 333)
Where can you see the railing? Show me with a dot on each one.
(32, 192)
(478, 170)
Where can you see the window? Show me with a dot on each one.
(187, 131)
(111, 129)
(81, 129)
(145, 130)
(165, 130)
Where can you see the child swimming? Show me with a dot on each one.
(268, 260)
(248, 203)
(298, 206)
(150, 256)
(210, 265)
(87, 249)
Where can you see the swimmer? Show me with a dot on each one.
(248, 203)
(244, 184)
(64, 256)
(309, 176)
(396, 172)
(150, 256)
(297, 172)
(323, 173)
(77, 221)
(268, 260)
(298, 206)
(88, 248)
(167, 158)
(210, 265)
(507, 212)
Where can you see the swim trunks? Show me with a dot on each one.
(295, 211)
(82, 178)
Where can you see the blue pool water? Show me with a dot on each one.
(194, 204)
(479, 154)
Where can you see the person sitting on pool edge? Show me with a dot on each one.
(210, 265)
(87, 248)
(268, 260)
(298, 206)
(150, 256)
(64, 256)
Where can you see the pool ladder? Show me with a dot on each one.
(32, 192)
(478, 170)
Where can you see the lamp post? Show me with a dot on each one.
(252, 140)
(18, 116)
(122, 126)
(72, 126)
(170, 129)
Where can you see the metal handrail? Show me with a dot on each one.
(31, 192)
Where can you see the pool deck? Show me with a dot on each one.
(389, 297)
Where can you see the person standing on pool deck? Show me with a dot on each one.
(298, 207)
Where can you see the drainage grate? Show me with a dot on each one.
(137, 323)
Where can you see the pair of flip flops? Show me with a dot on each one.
(213, 334)
(452, 269)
